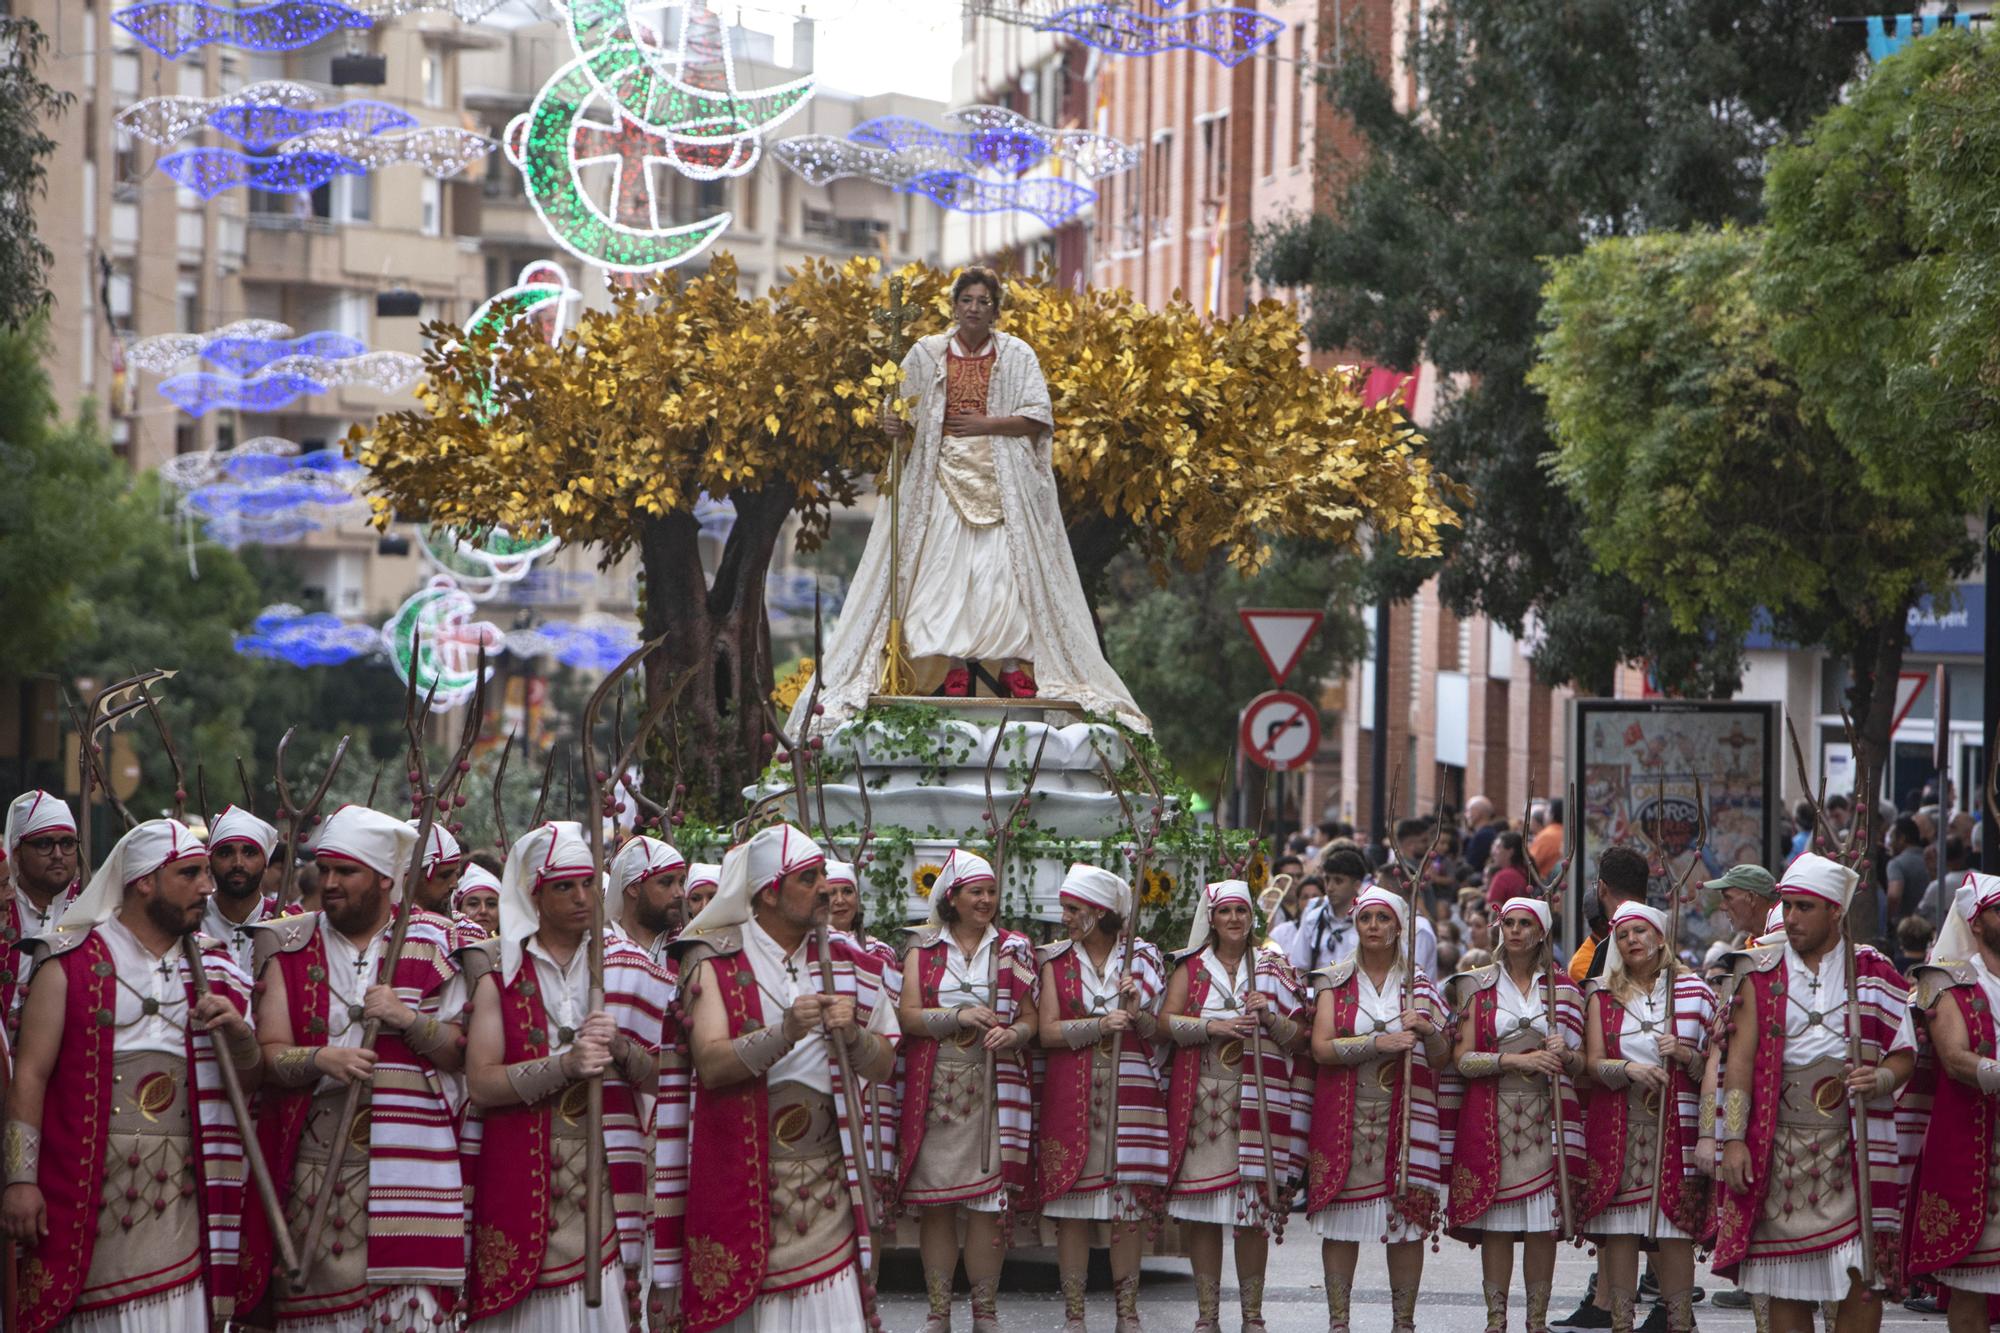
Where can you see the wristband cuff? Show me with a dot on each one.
(1479, 1064)
(532, 1080)
(761, 1049)
(1614, 1074)
(23, 1153)
(941, 1023)
(1734, 1122)
(1706, 1128)
(1187, 1031)
(1078, 1033)
(1989, 1076)
(1353, 1050)
(295, 1066)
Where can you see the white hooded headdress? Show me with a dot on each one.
(1211, 897)
(553, 851)
(146, 848)
(747, 870)
(960, 869)
(236, 824)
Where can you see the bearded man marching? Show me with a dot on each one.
(239, 848)
(535, 1044)
(392, 1248)
(968, 1004)
(777, 1238)
(1227, 1002)
(1788, 1222)
(124, 1162)
(1952, 1231)
(648, 898)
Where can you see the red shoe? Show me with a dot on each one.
(1018, 684)
(958, 683)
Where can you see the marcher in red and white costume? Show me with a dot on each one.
(1361, 1032)
(777, 1241)
(392, 1254)
(534, 1045)
(239, 848)
(647, 900)
(1504, 1181)
(882, 1107)
(1224, 992)
(124, 1163)
(702, 881)
(1646, 1037)
(968, 996)
(475, 903)
(40, 881)
(1787, 1221)
(1951, 1229)
(1103, 1132)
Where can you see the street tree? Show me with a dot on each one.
(1181, 438)
(1539, 125)
(1703, 468)
(27, 104)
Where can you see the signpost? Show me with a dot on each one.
(1280, 637)
(1280, 731)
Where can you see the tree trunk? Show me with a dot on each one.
(721, 633)
(1874, 664)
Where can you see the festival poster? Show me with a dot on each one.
(1648, 768)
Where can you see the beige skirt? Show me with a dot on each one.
(1808, 1237)
(148, 1218)
(812, 1215)
(957, 1128)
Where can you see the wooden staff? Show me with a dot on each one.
(1129, 927)
(1676, 886)
(1546, 885)
(1001, 829)
(300, 815)
(1856, 1108)
(844, 1065)
(426, 791)
(1409, 885)
(601, 807)
(232, 1080)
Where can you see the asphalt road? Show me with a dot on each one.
(1294, 1299)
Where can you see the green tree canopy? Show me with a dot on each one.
(1702, 469)
(1540, 125)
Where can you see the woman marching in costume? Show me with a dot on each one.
(1361, 1031)
(1230, 1153)
(1516, 1065)
(1641, 1048)
(1103, 1127)
(968, 1011)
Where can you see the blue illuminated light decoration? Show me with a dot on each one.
(286, 633)
(165, 120)
(590, 646)
(242, 355)
(245, 497)
(176, 27)
(1049, 198)
(210, 171)
(1008, 148)
(820, 159)
(1230, 35)
(200, 392)
(1095, 155)
(262, 126)
(311, 160)
(163, 351)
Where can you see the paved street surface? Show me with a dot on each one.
(1294, 1300)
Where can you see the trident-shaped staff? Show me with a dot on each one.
(1546, 886)
(602, 806)
(1857, 1109)
(1129, 928)
(300, 815)
(1002, 828)
(1655, 840)
(232, 1080)
(898, 675)
(424, 796)
(1407, 884)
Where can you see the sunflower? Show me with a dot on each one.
(786, 693)
(926, 879)
(1159, 890)
(1257, 873)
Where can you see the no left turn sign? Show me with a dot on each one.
(1280, 730)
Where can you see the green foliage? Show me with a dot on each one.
(1183, 653)
(1881, 269)
(1700, 467)
(58, 485)
(27, 102)
(1543, 124)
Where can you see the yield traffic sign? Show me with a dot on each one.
(1280, 730)
(1280, 637)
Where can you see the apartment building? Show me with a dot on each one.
(135, 256)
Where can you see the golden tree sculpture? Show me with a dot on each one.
(1186, 438)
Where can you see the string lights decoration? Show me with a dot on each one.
(543, 294)
(311, 160)
(482, 562)
(162, 352)
(241, 354)
(175, 28)
(434, 642)
(166, 120)
(592, 645)
(820, 158)
(466, 11)
(286, 633)
(199, 392)
(1095, 155)
(259, 126)
(1050, 198)
(624, 105)
(244, 497)
(1231, 35)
